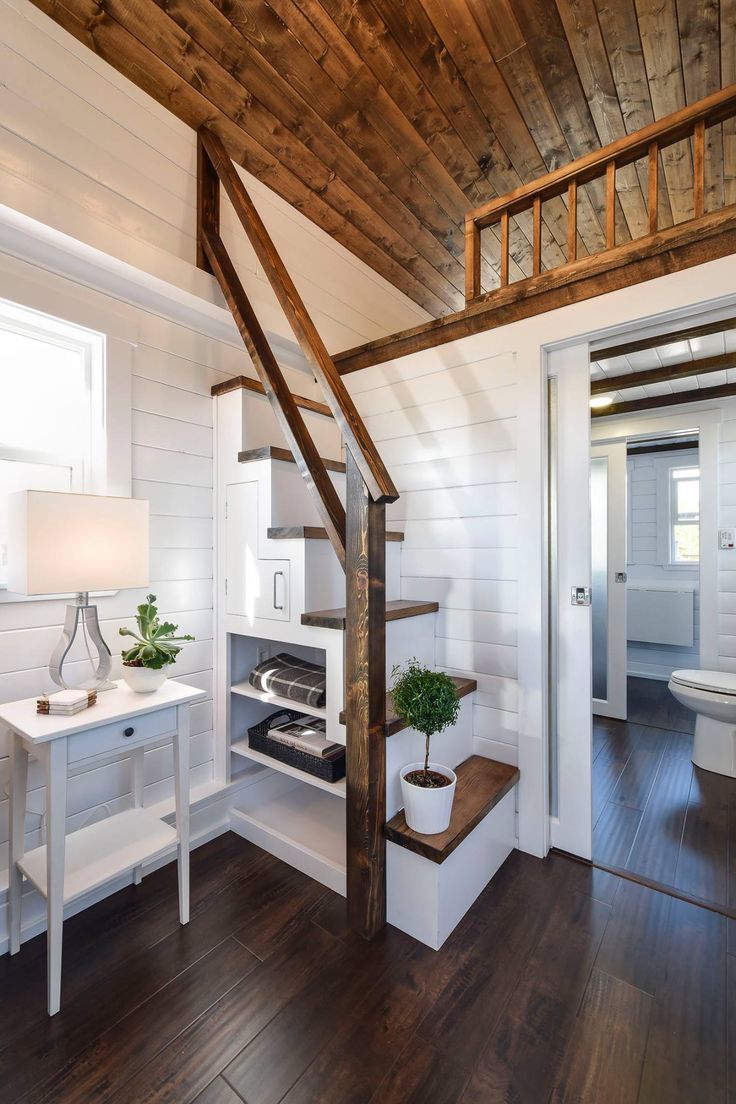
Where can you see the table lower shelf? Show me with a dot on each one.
(103, 851)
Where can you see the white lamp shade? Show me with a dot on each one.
(69, 543)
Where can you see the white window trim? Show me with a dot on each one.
(663, 468)
(109, 363)
(673, 518)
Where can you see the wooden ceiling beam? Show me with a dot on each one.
(654, 402)
(687, 333)
(672, 250)
(684, 370)
(105, 37)
(675, 446)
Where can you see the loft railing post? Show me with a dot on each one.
(653, 187)
(537, 236)
(208, 204)
(504, 274)
(472, 260)
(699, 169)
(610, 204)
(365, 705)
(572, 221)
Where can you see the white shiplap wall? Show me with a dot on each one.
(656, 660)
(727, 560)
(449, 437)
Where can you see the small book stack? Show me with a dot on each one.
(307, 734)
(66, 703)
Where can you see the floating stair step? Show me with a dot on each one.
(395, 724)
(273, 452)
(481, 784)
(313, 532)
(247, 384)
(395, 611)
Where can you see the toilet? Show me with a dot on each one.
(712, 696)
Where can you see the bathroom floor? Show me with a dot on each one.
(654, 813)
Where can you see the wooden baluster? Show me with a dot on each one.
(472, 259)
(537, 236)
(699, 169)
(504, 276)
(208, 203)
(572, 221)
(610, 204)
(653, 187)
(365, 705)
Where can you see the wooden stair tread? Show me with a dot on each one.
(395, 611)
(248, 384)
(313, 532)
(394, 724)
(274, 452)
(481, 784)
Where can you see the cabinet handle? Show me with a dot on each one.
(275, 576)
(128, 731)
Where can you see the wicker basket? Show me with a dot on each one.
(329, 770)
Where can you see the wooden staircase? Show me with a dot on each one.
(357, 533)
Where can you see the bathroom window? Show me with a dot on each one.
(52, 424)
(684, 515)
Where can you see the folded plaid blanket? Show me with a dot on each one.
(290, 677)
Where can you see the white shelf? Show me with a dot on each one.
(242, 747)
(103, 851)
(247, 691)
(298, 824)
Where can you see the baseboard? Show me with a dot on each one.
(209, 817)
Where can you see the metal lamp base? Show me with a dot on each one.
(86, 615)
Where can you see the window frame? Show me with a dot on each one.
(674, 517)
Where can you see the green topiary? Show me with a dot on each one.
(426, 700)
(157, 645)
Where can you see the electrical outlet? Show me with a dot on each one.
(726, 539)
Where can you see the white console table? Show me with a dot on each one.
(67, 867)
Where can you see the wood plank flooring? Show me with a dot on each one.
(654, 813)
(563, 983)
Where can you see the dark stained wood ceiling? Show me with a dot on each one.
(384, 121)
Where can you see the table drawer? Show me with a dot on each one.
(112, 738)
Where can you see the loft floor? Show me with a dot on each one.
(654, 813)
(561, 984)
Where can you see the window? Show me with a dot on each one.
(684, 515)
(52, 424)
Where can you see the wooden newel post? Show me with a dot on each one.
(365, 689)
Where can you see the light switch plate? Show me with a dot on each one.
(726, 539)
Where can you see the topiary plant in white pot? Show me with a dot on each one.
(156, 648)
(429, 702)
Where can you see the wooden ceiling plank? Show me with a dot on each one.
(620, 29)
(105, 37)
(199, 43)
(684, 370)
(700, 45)
(655, 402)
(580, 21)
(660, 43)
(155, 30)
(687, 334)
(728, 76)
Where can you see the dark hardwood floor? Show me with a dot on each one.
(654, 813)
(563, 984)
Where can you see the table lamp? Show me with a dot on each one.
(62, 543)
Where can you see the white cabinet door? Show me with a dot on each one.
(254, 587)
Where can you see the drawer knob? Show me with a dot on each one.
(128, 731)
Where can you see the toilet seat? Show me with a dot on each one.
(713, 682)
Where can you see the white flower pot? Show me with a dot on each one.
(428, 811)
(144, 680)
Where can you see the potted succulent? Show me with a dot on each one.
(157, 646)
(427, 701)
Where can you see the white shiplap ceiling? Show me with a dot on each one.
(675, 352)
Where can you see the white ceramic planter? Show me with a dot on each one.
(428, 811)
(144, 680)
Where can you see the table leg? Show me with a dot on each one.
(55, 850)
(137, 760)
(18, 797)
(181, 792)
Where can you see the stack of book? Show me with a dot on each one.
(66, 703)
(307, 734)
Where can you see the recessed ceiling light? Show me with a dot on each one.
(598, 402)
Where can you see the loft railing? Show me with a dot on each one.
(358, 537)
(690, 123)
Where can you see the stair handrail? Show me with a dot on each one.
(351, 425)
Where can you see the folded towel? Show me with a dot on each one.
(290, 677)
